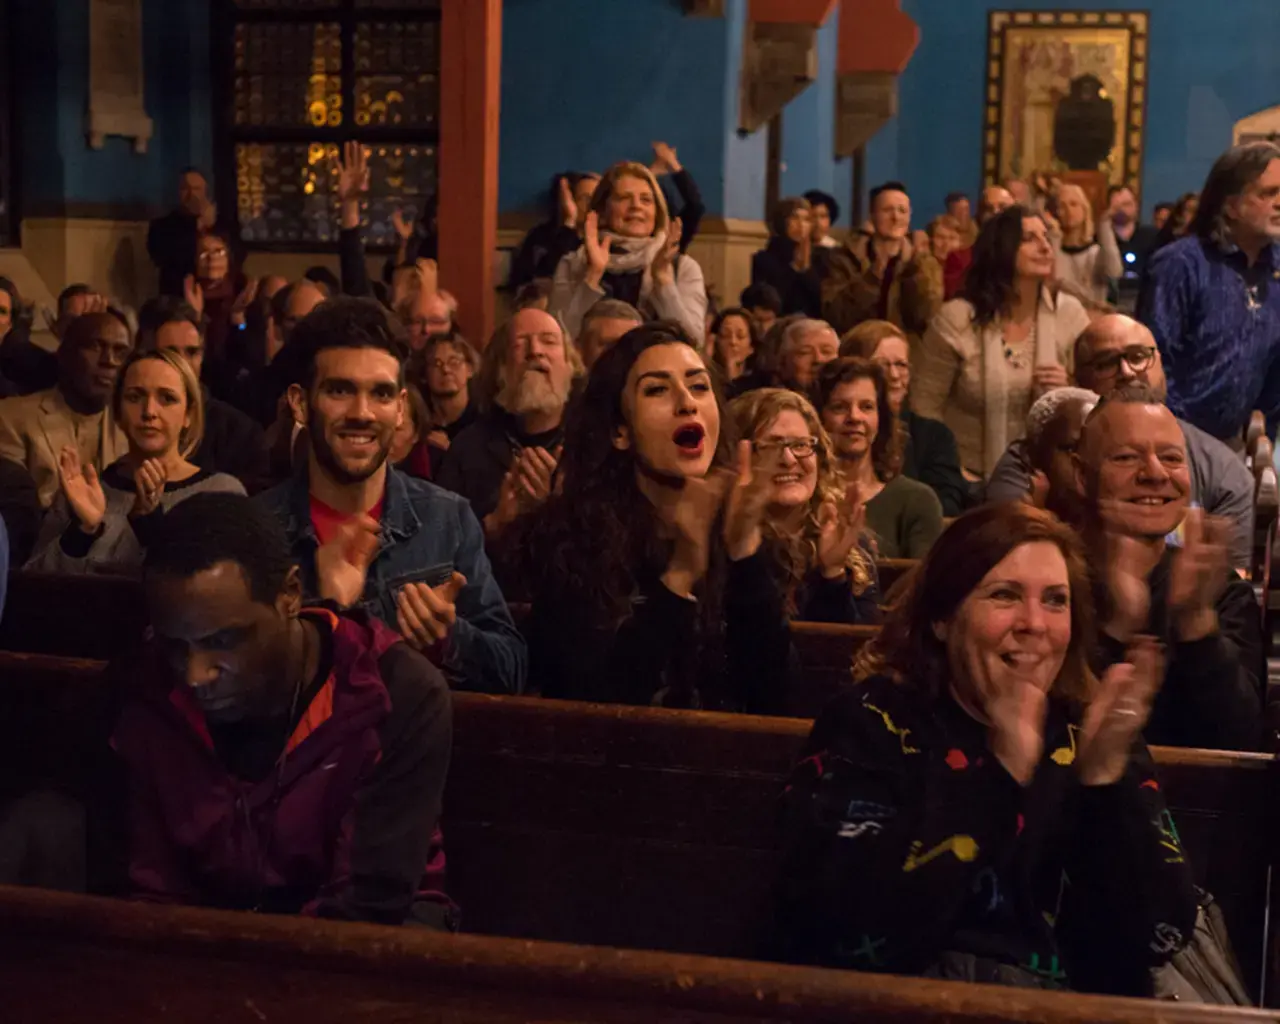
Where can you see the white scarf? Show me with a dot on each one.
(626, 255)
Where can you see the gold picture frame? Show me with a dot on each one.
(1032, 59)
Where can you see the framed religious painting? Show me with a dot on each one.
(1066, 97)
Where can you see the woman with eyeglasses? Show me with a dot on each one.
(813, 527)
(928, 446)
(904, 515)
(219, 292)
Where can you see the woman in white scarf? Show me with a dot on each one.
(630, 252)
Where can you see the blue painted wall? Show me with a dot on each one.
(1211, 63)
(58, 170)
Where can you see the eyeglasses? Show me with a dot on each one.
(800, 447)
(895, 366)
(1136, 357)
(452, 363)
(211, 254)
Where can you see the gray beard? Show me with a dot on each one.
(532, 393)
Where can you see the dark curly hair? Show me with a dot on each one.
(887, 448)
(753, 329)
(593, 539)
(989, 286)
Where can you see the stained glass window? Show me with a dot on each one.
(306, 76)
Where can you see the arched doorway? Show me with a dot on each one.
(1259, 127)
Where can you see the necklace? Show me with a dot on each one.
(1018, 355)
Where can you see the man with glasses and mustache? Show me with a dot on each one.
(504, 463)
(1115, 352)
(426, 574)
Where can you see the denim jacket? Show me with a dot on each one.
(427, 533)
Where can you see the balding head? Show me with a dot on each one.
(995, 199)
(1116, 351)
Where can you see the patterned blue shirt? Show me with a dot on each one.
(1217, 322)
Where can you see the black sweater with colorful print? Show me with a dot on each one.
(907, 839)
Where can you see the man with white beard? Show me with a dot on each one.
(504, 462)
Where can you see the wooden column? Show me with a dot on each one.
(470, 83)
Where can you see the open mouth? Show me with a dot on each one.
(1020, 659)
(784, 479)
(359, 440)
(690, 439)
(1150, 501)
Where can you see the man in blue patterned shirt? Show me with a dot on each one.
(1213, 298)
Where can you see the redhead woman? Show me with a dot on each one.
(631, 251)
(649, 582)
(988, 355)
(979, 806)
(813, 519)
(99, 525)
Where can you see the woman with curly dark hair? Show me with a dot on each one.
(648, 580)
(991, 353)
(813, 530)
(904, 515)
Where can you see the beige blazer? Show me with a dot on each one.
(960, 375)
(35, 428)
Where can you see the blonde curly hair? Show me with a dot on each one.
(795, 551)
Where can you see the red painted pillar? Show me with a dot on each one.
(470, 84)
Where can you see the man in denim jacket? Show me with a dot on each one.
(426, 572)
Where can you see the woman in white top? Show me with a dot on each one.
(1085, 265)
(989, 354)
(631, 252)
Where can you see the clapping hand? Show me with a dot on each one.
(1016, 734)
(342, 562)
(83, 490)
(568, 207)
(663, 269)
(597, 245)
(193, 294)
(839, 529)
(426, 614)
(1127, 566)
(1117, 714)
(665, 160)
(1199, 575)
(745, 507)
(149, 481)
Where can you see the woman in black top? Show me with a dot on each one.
(648, 580)
(787, 262)
(980, 806)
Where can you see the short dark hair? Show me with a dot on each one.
(954, 197)
(70, 292)
(1115, 190)
(325, 277)
(192, 169)
(887, 448)
(817, 197)
(211, 528)
(346, 322)
(1163, 206)
(161, 310)
(888, 186)
(761, 296)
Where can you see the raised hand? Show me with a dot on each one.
(535, 470)
(1129, 593)
(208, 216)
(691, 517)
(839, 528)
(665, 160)
(1199, 575)
(663, 268)
(149, 480)
(403, 227)
(1016, 733)
(244, 300)
(429, 275)
(193, 294)
(83, 490)
(1117, 714)
(353, 181)
(426, 614)
(597, 245)
(745, 507)
(568, 208)
(342, 562)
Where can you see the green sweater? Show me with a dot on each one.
(906, 518)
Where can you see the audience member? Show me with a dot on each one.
(959, 209)
(690, 209)
(1020, 192)
(1132, 471)
(824, 211)
(878, 277)
(329, 718)
(20, 509)
(928, 446)
(103, 525)
(806, 347)
(1135, 241)
(631, 252)
(1160, 215)
(993, 201)
(1115, 352)
(25, 367)
(74, 301)
(171, 239)
(232, 443)
(904, 515)
(763, 302)
(504, 463)
(426, 313)
(76, 413)
(787, 263)
(604, 323)
(813, 525)
(559, 235)
(537, 295)
(1054, 426)
(642, 592)
(1087, 262)
(445, 368)
(429, 575)
(735, 340)
(987, 356)
(942, 802)
(260, 392)
(410, 451)
(221, 296)
(1213, 303)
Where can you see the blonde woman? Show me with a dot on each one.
(1085, 265)
(631, 251)
(100, 525)
(813, 526)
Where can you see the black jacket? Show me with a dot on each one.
(25, 365)
(907, 841)
(479, 457)
(233, 444)
(171, 243)
(1212, 694)
(930, 456)
(801, 290)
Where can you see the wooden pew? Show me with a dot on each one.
(76, 616)
(647, 828)
(76, 958)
